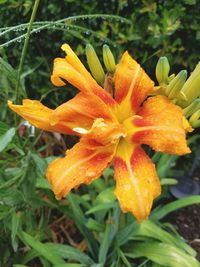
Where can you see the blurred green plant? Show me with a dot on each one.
(156, 28)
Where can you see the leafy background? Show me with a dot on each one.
(87, 228)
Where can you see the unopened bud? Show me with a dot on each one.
(192, 108)
(175, 86)
(194, 119)
(162, 70)
(191, 88)
(94, 64)
(171, 77)
(108, 59)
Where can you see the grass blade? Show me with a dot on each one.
(43, 249)
(163, 254)
(175, 205)
(81, 221)
(6, 138)
(150, 229)
(68, 252)
(15, 222)
(110, 231)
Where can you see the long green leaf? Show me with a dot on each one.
(80, 221)
(6, 138)
(43, 250)
(95, 225)
(68, 252)
(8, 71)
(175, 205)
(31, 254)
(68, 265)
(168, 181)
(124, 234)
(100, 207)
(150, 229)
(124, 259)
(163, 254)
(15, 222)
(164, 164)
(109, 234)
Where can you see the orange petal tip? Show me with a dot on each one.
(65, 47)
(187, 126)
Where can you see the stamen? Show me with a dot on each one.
(80, 130)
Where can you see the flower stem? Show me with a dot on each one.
(35, 7)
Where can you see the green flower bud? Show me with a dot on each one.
(191, 88)
(162, 70)
(194, 119)
(108, 59)
(175, 86)
(171, 77)
(192, 108)
(95, 65)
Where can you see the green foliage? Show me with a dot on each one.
(155, 28)
(111, 238)
(163, 254)
(5, 137)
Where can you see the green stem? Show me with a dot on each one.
(35, 7)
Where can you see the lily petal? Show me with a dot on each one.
(81, 111)
(75, 62)
(137, 183)
(162, 126)
(82, 164)
(73, 71)
(132, 84)
(39, 116)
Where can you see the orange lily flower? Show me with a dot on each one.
(110, 130)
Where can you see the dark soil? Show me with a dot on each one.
(187, 222)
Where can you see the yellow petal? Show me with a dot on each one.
(38, 115)
(75, 62)
(137, 183)
(132, 85)
(187, 126)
